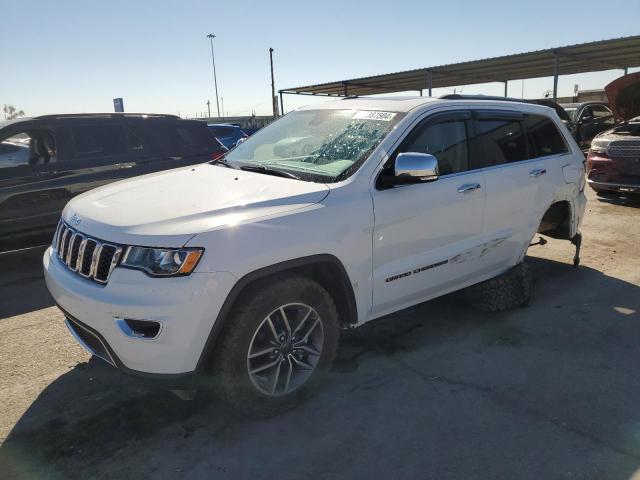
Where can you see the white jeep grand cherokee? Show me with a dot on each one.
(334, 215)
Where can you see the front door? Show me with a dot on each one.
(422, 231)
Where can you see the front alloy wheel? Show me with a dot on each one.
(285, 349)
(277, 345)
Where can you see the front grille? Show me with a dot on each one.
(624, 148)
(87, 256)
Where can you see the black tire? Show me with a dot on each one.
(230, 365)
(510, 290)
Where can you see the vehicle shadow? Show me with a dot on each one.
(94, 412)
(22, 283)
(619, 199)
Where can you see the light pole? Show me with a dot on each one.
(209, 108)
(274, 102)
(211, 36)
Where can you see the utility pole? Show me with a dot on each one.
(211, 36)
(222, 102)
(274, 102)
(209, 108)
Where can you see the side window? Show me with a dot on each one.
(445, 140)
(134, 139)
(15, 151)
(194, 135)
(498, 141)
(37, 147)
(544, 137)
(99, 140)
(600, 111)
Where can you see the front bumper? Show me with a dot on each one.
(186, 307)
(614, 187)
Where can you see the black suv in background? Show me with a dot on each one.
(44, 161)
(587, 119)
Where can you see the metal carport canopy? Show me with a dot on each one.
(618, 53)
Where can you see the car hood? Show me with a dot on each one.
(168, 208)
(624, 96)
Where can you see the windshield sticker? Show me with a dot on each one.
(370, 115)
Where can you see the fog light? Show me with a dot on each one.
(139, 328)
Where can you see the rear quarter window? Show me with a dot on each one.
(544, 137)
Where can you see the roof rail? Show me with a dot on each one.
(457, 96)
(105, 115)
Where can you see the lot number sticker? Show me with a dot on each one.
(379, 116)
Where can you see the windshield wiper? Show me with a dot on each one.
(268, 171)
(224, 163)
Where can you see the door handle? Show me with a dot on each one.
(537, 172)
(468, 187)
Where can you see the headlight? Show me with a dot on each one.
(162, 262)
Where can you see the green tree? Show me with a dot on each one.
(10, 112)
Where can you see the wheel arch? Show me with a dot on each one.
(326, 269)
(557, 220)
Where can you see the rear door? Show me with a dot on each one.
(423, 230)
(98, 154)
(518, 185)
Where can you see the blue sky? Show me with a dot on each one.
(76, 56)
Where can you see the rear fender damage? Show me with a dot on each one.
(557, 222)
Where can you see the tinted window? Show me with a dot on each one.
(498, 141)
(134, 139)
(194, 136)
(99, 140)
(601, 111)
(221, 131)
(447, 141)
(544, 137)
(14, 154)
(181, 139)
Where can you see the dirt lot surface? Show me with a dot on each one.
(438, 391)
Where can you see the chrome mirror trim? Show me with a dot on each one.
(414, 167)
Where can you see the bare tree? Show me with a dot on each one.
(10, 112)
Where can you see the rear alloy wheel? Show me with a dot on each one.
(277, 345)
(285, 349)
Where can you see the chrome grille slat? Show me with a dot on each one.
(56, 236)
(83, 245)
(63, 244)
(69, 249)
(83, 254)
(59, 239)
(94, 262)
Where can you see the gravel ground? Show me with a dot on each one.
(436, 391)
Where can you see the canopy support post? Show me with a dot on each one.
(556, 71)
(506, 84)
(429, 80)
(281, 104)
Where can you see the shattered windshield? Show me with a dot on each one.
(316, 145)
